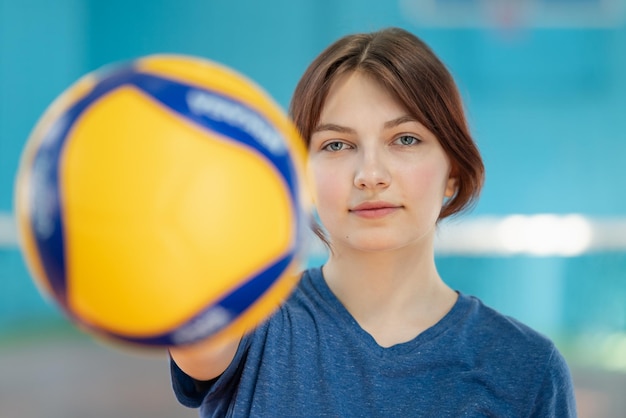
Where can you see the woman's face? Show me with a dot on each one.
(379, 176)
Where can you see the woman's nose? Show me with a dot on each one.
(371, 171)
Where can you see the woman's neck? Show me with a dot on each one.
(393, 295)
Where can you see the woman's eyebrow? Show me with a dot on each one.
(399, 121)
(334, 128)
(344, 129)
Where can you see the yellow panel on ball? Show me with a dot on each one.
(153, 197)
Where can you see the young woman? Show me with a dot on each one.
(376, 332)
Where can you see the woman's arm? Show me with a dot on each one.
(207, 359)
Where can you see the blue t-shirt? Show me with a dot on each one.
(312, 359)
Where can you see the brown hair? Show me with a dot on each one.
(412, 73)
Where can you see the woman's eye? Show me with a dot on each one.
(407, 140)
(335, 146)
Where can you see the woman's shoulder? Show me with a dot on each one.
(495, 334)
(492, 324)
(300, 307)
(311, 290)
(520, 355)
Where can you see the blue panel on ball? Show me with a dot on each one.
(44, 203)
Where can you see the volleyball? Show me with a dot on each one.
(161, 202)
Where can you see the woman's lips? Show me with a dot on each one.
(373, 210)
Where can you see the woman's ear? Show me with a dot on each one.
(451, 187)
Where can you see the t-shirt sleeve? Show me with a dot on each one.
(191, 392)
(556, 394)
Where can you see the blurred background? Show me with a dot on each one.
(544, 82)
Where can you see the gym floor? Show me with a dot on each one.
(75, 377)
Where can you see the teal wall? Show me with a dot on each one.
(547, 107)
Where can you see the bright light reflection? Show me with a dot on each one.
(566, 235)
